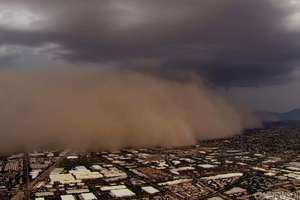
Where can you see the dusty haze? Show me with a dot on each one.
(98, 109)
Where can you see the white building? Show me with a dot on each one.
(81, 173)
(235, 190)
(223, 176)
(207, 166)
(63, 178)
(114, 187)
(87, 196)
(67, 197)
(119, 193)
(150, 189)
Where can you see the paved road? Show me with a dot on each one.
(131, 174)
(47, 172)
(26, 171)
(25, 194)
(227, 187)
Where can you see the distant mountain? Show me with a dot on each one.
(281, 124)
(293, 115)
(280, 120)
(267, 116)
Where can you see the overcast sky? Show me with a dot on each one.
(249, 49)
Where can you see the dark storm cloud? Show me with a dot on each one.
(229, 42)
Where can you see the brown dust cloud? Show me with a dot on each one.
(107, 109)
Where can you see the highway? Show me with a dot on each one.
(47, 172)
(223, 189)
(29, 186)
